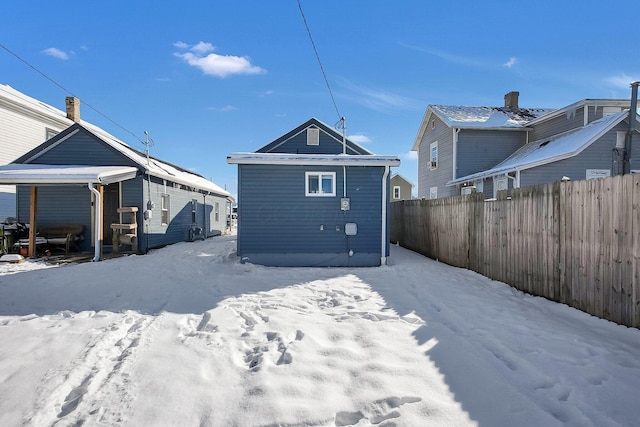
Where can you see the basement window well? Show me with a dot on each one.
(320, 184)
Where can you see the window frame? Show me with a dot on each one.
(319, 175)
(313, 136)
(398, 196)
(433, 193)
(165, 212)
(433, 148)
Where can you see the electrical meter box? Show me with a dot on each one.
(351, 229)
(345, 204)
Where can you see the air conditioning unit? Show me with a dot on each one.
(434, 164)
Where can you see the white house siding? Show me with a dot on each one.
(20, 131)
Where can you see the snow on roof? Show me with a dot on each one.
(312, 159)
(550, 150)
(156, 167)
(487, 117)
(19, 173)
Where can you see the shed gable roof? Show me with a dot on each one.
(155, 166)
(279, 145)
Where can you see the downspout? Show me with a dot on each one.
(516, 180)
(98, 225)
(383, 252)
(455, 152)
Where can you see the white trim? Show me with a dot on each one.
(393, 193)
(311, 159)
(40, 153)
(36, 174)
(320, 175)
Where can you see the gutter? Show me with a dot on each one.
(96, 256)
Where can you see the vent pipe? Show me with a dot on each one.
(633, 112)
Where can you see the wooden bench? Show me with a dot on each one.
(63, 235)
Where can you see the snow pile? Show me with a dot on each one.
(187, 335)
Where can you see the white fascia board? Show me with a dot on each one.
(20, 174)
(311, 160)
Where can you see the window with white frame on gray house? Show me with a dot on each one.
(433, 155)
(433, 193)
(194, 211)
(164, 209)
(320, 184)
(396, 192)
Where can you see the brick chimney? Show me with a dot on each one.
(73, 108)
(511, 100)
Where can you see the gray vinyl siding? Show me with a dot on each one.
(559, 124)
(279, 224)
(69, 204)
(597, 156)
(83, 149)
(479, 150)
(428, 178)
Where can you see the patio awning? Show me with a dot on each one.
(35, 174)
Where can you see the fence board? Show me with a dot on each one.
(574, 242)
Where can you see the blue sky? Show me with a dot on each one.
(206, 78)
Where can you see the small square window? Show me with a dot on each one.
(313, 136)
(320, 184)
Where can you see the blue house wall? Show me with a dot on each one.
(71, 204)
(280, 226)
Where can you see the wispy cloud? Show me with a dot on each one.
(378, 100)
(447, 56)
(224, 109)
(511, 62)
(359, 138)
(56, 53)
(201, 56)
(622, 81)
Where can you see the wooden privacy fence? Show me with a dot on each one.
(574, 242)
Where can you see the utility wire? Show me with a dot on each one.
(69, 92)
(319, 62)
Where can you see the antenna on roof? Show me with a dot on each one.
(342, 125)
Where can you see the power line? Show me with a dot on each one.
(69, 92)
(319, 62)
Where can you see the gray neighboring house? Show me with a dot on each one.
(592, 151)
(456, 141)
(85, 176)
(401, 188)
(313, 198)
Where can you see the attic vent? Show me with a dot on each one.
(313, 136)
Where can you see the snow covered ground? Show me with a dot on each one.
(188, 336)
